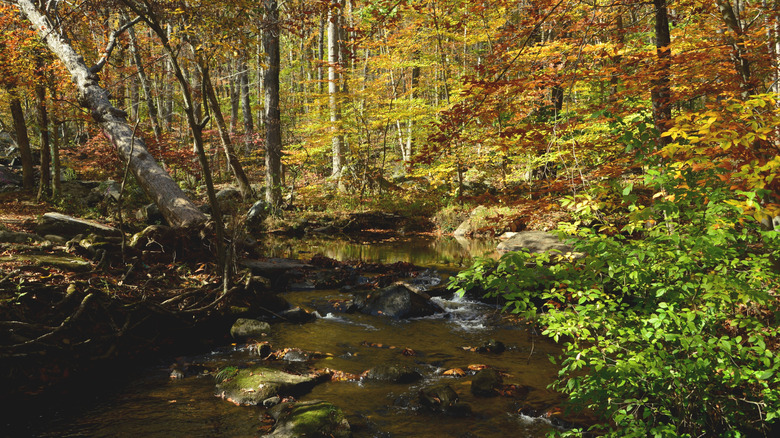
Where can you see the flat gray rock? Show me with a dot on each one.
(534, 242)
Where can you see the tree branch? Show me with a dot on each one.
(111, 44)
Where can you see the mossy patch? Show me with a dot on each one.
(253, 385)
(310, 419)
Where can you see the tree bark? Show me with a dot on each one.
(660, 93)
(246, 105)
(139, 65)
(333, 88)
(273, 126)
(56, 186)
(227, 144)
(166, 97)
(235, 97)
(741, 63)
(44, 189)
(158, 185)
(321, 55)
(22, 140)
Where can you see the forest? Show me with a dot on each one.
(645, 134)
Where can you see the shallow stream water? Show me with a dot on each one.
(153, 405)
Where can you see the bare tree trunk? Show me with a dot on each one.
(55, 145)
(227, 144)
(22, 140)
(259, 75)
(246, 106)
(135, 98)
(741, 63)
(44, 189)
(333, 89)
(409, 124)
(614, 79)
(321, 55)
(660, 93)
(273, 126)
(235, 97)
(153, 116)
(167, 86)
(158, 185)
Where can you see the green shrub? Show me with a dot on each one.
(668, 331)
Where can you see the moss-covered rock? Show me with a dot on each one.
(311, 419)
(253, 385)
(246, 328)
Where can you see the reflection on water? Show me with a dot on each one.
(441, 252)
(155, 406)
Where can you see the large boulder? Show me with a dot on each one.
(468, 226)
(251, 386)
(228, 198)
(245, 328)
(311, 419)
(68, 226)
(257, 215)
(534, 242)
(396, 301)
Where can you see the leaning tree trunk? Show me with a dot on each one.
(224, 135)
(177, 209)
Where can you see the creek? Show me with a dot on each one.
(151, 404)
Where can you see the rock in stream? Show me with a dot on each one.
(251, 386)
(311, 419)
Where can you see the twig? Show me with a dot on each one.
(213, 303)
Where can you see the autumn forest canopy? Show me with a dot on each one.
(650, 130)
